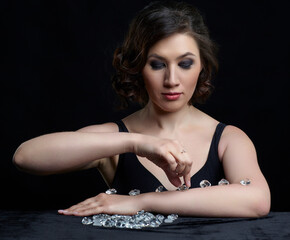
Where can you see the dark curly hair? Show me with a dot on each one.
(157, 21)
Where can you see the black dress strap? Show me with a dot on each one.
(121, 125)
(216, 138)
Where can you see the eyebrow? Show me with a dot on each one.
(179, 57)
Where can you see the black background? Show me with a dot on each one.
(55, 76)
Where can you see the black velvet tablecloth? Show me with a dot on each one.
(49, 225)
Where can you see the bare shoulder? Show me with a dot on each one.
(234, 133)
(105, 127)
(233, 138)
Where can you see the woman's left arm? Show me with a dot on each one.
(234, 200)
(239, 160)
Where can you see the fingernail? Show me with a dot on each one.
(62, 211)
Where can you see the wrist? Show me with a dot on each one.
(144, 200)
(134, 141)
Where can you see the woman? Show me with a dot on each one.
(166, 63)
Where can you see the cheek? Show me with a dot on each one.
(190, 80)
(151, 79)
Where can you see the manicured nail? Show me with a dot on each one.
(62, 211)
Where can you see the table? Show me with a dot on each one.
(47, 224)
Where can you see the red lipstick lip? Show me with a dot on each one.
(171, 96)
(172, 93)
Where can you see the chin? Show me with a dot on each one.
(171, 107)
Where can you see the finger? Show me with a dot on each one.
(171, 162)
(88, 211)
(187, 180)
(180, 156)
(173, 178)
(187, 173)
(179, 169)
(73, 209)
(183, 165)
(185, 169)
(80, 210)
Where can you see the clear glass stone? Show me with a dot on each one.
(136, 226)
(134, 192)
(172, 216)
(87, 221)
(168, 220)
(224, 182)
(149, 215)
(111, 191)
(182, 188)
(245, 182)
(98, 222)
(154, 223)
(159, 189)
(108, 223)
(204, 183)
(160, 217)
(129, 223)
(140, 212)
(121, 223)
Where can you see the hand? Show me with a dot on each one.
(104, 203)
(168, 155)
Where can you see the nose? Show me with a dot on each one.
(171, 77)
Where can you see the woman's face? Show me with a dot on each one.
(171, 72)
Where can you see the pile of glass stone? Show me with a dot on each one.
(140, 220)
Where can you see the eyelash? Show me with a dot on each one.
(156, 65)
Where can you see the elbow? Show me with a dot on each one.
(22, 160)
(19, 159)
(263, 209)
(261, 206)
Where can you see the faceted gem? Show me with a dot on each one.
(172, 216)
(182, 188)
(168, 220)
(204, 183)
(160, 217)
(159, 189)
(154, 223)
(224, 182)
(87, 221)
(245, 182)
(140, 212)
(98, 222)
(134, 192)
(120, 223)
(108, 223)
(111, 191)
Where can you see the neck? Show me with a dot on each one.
(167, 121)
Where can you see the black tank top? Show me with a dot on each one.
(131, 174)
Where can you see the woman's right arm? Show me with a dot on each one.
(69, 151)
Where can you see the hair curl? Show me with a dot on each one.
(157, 21)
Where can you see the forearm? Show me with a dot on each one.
(232, 200)
(66, 151)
